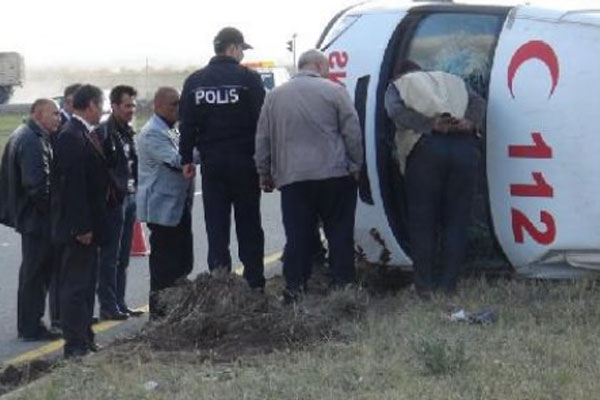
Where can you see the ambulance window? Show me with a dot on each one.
(268, 79)
(458, 43)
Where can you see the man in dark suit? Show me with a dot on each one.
(66, 109)
(25, 184)
(79, 208)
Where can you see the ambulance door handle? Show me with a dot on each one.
(360, 103)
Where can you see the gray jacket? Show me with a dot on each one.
(163, 192)
(308, 130)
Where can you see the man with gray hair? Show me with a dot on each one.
(25, 204)
(309, 146)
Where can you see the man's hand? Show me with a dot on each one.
(189, 171)
(356, 176)
(442, 124)
(464, 125)
(266, 184)
(85, 238)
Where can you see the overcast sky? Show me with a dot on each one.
(115, 33)
(178, 33)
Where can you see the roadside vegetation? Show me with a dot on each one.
(352, 345)
(8, 123)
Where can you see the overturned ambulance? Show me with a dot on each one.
(539, 70)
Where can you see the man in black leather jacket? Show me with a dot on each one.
(25, 185)
(122, 160)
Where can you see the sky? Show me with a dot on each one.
(173, 33)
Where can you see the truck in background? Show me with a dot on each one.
(12, 73)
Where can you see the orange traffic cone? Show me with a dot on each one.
(138, 241)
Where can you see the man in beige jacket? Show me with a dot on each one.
(308, 145)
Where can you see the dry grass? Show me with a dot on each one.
(545, 345)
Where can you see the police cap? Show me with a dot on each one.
(230, 35)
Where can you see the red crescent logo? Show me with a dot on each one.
(536, 49)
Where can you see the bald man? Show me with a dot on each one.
(309, 146)
(26, 197)
(164, 197)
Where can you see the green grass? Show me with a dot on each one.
(8, 123)
(545, 345)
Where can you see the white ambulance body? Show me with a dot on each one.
(539, 69)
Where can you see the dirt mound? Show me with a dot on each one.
(224, 316)
(13, 376)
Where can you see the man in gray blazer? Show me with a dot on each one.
(164, 197)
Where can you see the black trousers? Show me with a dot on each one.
(34, 279)
(441, 175)
(334, 201)
(54, 290)
(223, 187)
(171, 257)
(78, 288)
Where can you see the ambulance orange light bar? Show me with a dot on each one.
(260, 64)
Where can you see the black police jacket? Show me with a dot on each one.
(80, 184)
(25, 182)
(219, 109)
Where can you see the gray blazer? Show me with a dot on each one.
(162, 192)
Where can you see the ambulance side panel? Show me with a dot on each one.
(355, 59)
(543, 142)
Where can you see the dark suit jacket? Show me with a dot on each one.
(80, 186)
(26, 180)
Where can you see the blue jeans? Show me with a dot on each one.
(129, 217)
(114, 256)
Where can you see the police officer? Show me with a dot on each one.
(219, 110)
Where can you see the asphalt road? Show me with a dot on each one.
(138, 276)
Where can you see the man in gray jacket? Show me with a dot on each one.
(164, 197)
(25, 185)
(309, 146)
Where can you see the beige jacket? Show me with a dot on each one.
(416, 99)
(308, 130)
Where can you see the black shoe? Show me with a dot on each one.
(130, 312)
(55, 324)
(95, 320)
(291, 296)
(113, 315)
(94, 347)
(42, 334)
(76, 352)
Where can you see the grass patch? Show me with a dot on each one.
(545, 345)
(8, 123)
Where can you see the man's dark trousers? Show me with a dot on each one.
(54, 289)
(107, 261)
(441, 175)
(334, 201)
(171, 258)
(34, 279)
(78, 284)
(129, 217)
(223, 187)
